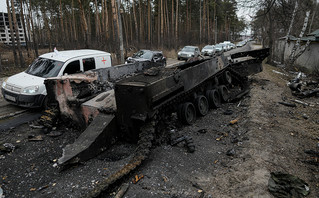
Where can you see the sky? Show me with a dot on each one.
(3, 6)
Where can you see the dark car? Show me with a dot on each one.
(155, 57)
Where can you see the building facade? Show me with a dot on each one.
(5, 34)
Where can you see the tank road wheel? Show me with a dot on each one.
(202, 105)
(186, 113)
(213, 98)
(227, 78)
(224, 93)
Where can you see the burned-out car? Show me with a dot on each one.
(155, 57)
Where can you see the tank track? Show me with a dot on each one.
(141, 153)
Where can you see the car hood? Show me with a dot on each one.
(183, 52)
(25, 80)
(207, 50)
(130, 59)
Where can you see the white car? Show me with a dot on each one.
(208, 50)
(188, 52)
(27, 88)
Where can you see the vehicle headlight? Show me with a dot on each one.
(189, 55)
(31, 89)
(179, 53)
(4, 83)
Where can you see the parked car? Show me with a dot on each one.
(208, 50)
(27, 88)
(188, 52)
(219, 48)
(156, 57)
(232, 46)
(241, 44)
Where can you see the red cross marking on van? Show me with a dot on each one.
(103, 60)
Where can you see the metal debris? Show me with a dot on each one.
(231, 152)
(1, 193)
(288, 104)
(232, 122)
(137, 178)
(121, 192)
(6, 148)
(286, 185)
(202, 131)
(303, 89)
(189, 143)
(35, 138)
(54, 133)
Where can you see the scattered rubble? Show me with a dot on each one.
(303, 89)
(285, 185)
(6, 148)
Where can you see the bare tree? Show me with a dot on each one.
(293, 56)
(15, 55)
(17, 37)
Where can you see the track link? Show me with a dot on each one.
(142, 151)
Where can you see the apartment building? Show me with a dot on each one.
(5, 36)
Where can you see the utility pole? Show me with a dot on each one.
(120, 32)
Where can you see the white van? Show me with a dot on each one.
(27, 88)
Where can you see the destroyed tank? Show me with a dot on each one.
(190, 89)
(141, 97)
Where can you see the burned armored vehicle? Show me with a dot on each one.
(129, 101)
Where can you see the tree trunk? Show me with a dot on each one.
(172, 34)
(120, 32)
(289, 30)
(62, 36)
(15, 23)
(176, 24)
(75, 38)
(135, 21)
(35, 41)
(23, 21)
(15, 55)
(149, 21)
(84, 25)
(141, 22)
(162, 24)
(97, 23)
(200, 21)
(293, 57)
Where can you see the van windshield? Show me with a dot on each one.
(44, 68)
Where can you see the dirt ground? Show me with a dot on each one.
(229, 161)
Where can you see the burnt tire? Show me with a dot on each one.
(213, 97)
(224, 93)
(186, 113)
(202, 105)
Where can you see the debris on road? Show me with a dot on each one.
(6, 148)
(202, 131)
(35, 138)
(137, 178)
(189, 143)
(231, 152)
(288, 104)
(232, 122)
(1, 193)
(287, 185)
(277, 72)
(54, 133)
(122, 190)
(303, 89)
